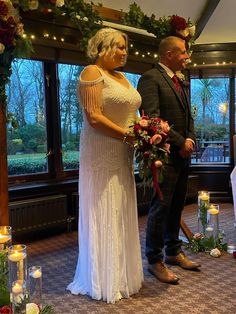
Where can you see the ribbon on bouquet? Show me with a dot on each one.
(155, 181)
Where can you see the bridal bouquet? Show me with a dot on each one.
(151, 149)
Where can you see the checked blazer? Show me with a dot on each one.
(161, 99)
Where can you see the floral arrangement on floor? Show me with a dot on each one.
(31, 308)
(173, 25)
(151, 149)
(202, 243)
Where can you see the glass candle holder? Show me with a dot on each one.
(19, 297)
(213, 219)
(5, 237)
(17, 263)
(35, 284)
(203, 204)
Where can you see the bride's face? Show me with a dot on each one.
(118, 58)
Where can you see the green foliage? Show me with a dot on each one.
(212, 132)
(4, 293)
(41, 148)
(161, 27)
(47, 309)
(26, 165)
(26, 139)
(33, 163)
(206, 244)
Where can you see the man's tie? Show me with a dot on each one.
(177, 85)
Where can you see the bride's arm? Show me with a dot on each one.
(90, 94)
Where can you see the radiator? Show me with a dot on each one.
(38, 213)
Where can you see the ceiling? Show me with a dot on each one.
(215, 19)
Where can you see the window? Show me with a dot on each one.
(210, 109)
(71, 114)
(26, 144)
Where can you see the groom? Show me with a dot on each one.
(164, 97)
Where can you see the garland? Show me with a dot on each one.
(173, 25)
(15, 44)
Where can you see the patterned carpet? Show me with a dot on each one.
(212, 290)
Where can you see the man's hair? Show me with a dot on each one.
(168, 44)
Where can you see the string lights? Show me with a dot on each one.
(132, 50)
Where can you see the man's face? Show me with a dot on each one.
(178, 57)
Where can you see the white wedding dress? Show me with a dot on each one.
(109, 264)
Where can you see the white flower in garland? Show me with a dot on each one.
(2, 48)
(33, 4)
(60, 3)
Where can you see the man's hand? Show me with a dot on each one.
(187, 149)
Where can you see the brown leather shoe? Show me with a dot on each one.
(162, 273)
(183, 261)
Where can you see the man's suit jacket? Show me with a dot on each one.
(161, 99)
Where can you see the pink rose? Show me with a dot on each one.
(143, 123)
(158, 164)
(165, 126)
(167, 147)
(155, 139)
(20, 29)
(198, 236)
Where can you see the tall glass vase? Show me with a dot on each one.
(203, 204)
(17, 261)
(213, 220)
(35, 284)
(19, 297)
(5, 242)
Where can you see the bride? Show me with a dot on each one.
(109, 263)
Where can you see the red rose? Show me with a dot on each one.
(45, 11)
(6, 37)
(152, 130)
(5, 310)
(234, 254)
(3, 9)
(178, 22)
(137, 128)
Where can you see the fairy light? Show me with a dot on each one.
(54, 38)
(148, 53)
(195, 64)
(24, 35)
(155, 55)
(32, 36)
(143, 55)
(131, 45)
(46, 35)
(62, 39)
(136, 53)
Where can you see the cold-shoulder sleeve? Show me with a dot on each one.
(90, 94)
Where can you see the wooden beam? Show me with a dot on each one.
(207, 13)
(109, 14)
(4, 214)
(186, 231)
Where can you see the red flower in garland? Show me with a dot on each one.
(3, 9)
(5, 310)
(178, 22)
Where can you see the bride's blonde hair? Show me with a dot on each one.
(104, 42)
